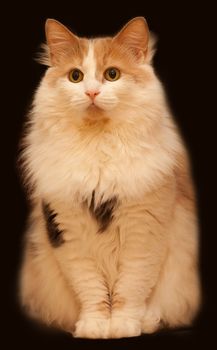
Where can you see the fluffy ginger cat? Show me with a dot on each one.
(112, 241)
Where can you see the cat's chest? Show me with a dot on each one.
(70, 168)
(101, 167)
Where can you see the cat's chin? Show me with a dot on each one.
(95, 112)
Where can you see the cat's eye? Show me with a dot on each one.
(75, 75)
(112, 74)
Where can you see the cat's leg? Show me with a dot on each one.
(82, 274)
(141, 259)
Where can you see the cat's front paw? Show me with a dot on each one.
(151, 322)
(122, 327)
(94, 328)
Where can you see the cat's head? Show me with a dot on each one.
(98, 77)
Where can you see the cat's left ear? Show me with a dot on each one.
(135, 38)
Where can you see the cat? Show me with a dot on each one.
(111, 247)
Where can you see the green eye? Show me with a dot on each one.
(76, 75)
(112, 74)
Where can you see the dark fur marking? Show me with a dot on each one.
(104, 212)
(54, 233)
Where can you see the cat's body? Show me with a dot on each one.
(112, 242)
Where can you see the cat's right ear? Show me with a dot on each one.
(60, 40)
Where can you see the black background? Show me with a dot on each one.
(183, 63)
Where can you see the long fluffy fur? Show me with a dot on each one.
(141, 273)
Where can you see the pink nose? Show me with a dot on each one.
(92, 93)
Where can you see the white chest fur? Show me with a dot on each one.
(112, 164)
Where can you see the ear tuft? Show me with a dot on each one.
(43, 56)
(151, 47)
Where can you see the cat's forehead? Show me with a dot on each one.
(97, 52)
(104, 52)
